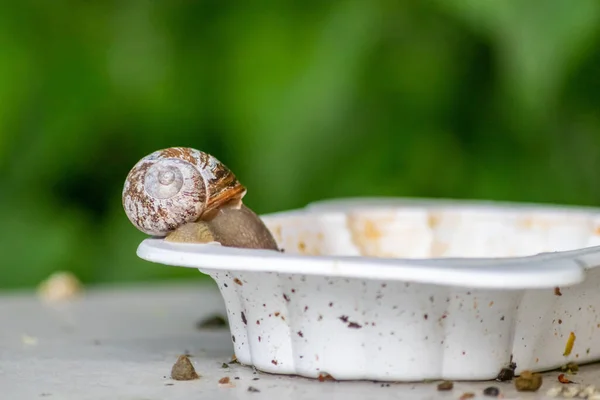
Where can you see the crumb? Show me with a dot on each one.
(325, 377)
(212, 322)
(224, 380)
(570, 368)
(557, 291)
(554, 392)
(569, 345)
(528, 382)
(183, 370)
(563, 379)
(255, 379)
(445, 385)
(60, 286)
(29, 340)
(252, 389)
(467, 395)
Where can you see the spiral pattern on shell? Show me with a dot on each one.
(174, 186)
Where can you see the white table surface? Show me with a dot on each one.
(121, 343)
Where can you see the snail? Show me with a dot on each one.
(188, 196)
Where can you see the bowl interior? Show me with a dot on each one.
(435, 230)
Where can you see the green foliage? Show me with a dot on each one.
(302, 100)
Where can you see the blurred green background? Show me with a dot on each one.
(303, 100)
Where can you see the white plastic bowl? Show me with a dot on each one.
(409, 289)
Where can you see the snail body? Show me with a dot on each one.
(187, 195)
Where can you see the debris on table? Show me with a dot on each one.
(60, 286)
(212, 322)
(557, 291)
(445, 385)
(226, 382)
(29, 340)
(325, 377)
(569, 345)
(562, 378)
(225, 365)
(252, 389)
(570, 368)
(507, 373)
(491, 391)
(234, 360)
(183, 370)
(467, 395)
(528, 382)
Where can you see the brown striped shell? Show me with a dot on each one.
(174, 186)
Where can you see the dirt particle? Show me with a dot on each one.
(425, 316)
(257, 322)
(507, 373)
(244, 320)
(344, 318)
(528, 382)
(445, 385)
(320, 317)
(238, 282)
(293, 290)
(354, 325)
(285, 296)
(255, 379)
(467, 395)
(183, 370)
(212, 322)
(259, 339)
(233, 338)
(300, 334)
(252, 389)
(560, 321)
(502, 318)
(305, 308)
(557, 291)
(274, 362)
(224, 365)
(224, 380)
(277, 314)
(330, 304)
(491, 391)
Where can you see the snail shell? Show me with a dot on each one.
(174, 186)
